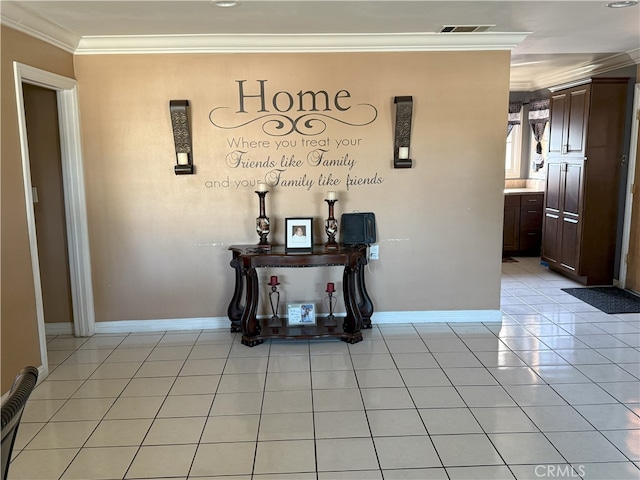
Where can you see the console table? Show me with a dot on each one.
(246, 258)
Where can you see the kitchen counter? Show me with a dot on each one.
(520, 191)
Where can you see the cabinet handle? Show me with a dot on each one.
(532, 211)
(531, 234)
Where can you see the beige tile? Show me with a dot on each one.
(87, 356)
(386, 398)
(347, 424)
(41, 410)
(83, 409)
(195, 385)
(60, 389)
(162, 461)
(175, 431)
(346, 454)
(237, 403)
(272, 457)
(395, 422)
(135, 407)
(62, 435)
(216, 459)
(294, 363)
(340, 399)
(287, 402)
(73, 372)
(26, 432)
(406, 452)
(186, 406)
(333, 379)
(207, 366)
(100, 463)
(243, 382)
(286, 426)
(119, 433)
(169, 353)
(231, 428)
(278, 381)
(41, 464)
(148, 387)
(121, 354)
(200, 352)
(107, 388)
(116, 370)
(160, 368)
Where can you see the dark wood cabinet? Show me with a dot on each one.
(522, 229)
(583, 169)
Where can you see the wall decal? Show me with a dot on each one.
(277, 139)
(309, 124)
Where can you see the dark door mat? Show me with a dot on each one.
(509, 260)
(607, 299)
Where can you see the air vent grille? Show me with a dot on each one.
(465, 28)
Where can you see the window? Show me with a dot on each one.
(513, 154)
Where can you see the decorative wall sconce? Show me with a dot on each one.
(402, 136)
(179, 110)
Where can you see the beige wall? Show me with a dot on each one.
(159, 241)
(19, 337)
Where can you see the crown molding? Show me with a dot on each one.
(604, 65)
(286, 43)
(18, 18)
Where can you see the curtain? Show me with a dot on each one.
(538, 118)
(514, 115)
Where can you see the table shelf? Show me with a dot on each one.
(358, 304)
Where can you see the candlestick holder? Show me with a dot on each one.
(275, 320)
(330, 321)
(331, 227)
(262, 223)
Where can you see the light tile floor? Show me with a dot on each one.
(552, 391)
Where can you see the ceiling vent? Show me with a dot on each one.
(465, 28)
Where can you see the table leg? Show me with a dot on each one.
(249, 323)
(235, 308)
(365, 305)
(353, 319)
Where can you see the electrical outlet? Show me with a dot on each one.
(374, 252)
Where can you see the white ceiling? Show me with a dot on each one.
(551, 42)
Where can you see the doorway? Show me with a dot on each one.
(75, 216)
(630, 271)
(41, 116)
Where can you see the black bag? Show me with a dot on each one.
(358, 228)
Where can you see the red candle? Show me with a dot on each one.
(331, 287)
(274, 280)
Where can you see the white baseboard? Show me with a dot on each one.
(62, 328)
(212, 323)
(437, 316)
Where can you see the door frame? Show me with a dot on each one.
(74, 198)
(631, 173)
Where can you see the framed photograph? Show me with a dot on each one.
(299, 234)
(301, 314)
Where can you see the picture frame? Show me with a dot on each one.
(301, 314)
(298, 234)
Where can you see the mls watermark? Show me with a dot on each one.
(559, 471)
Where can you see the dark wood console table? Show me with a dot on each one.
(359, 308)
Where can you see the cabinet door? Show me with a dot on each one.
(577, 122)
(551, 220)
(571, 215)
(511, 228)
(568, 122)
(557, 123)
